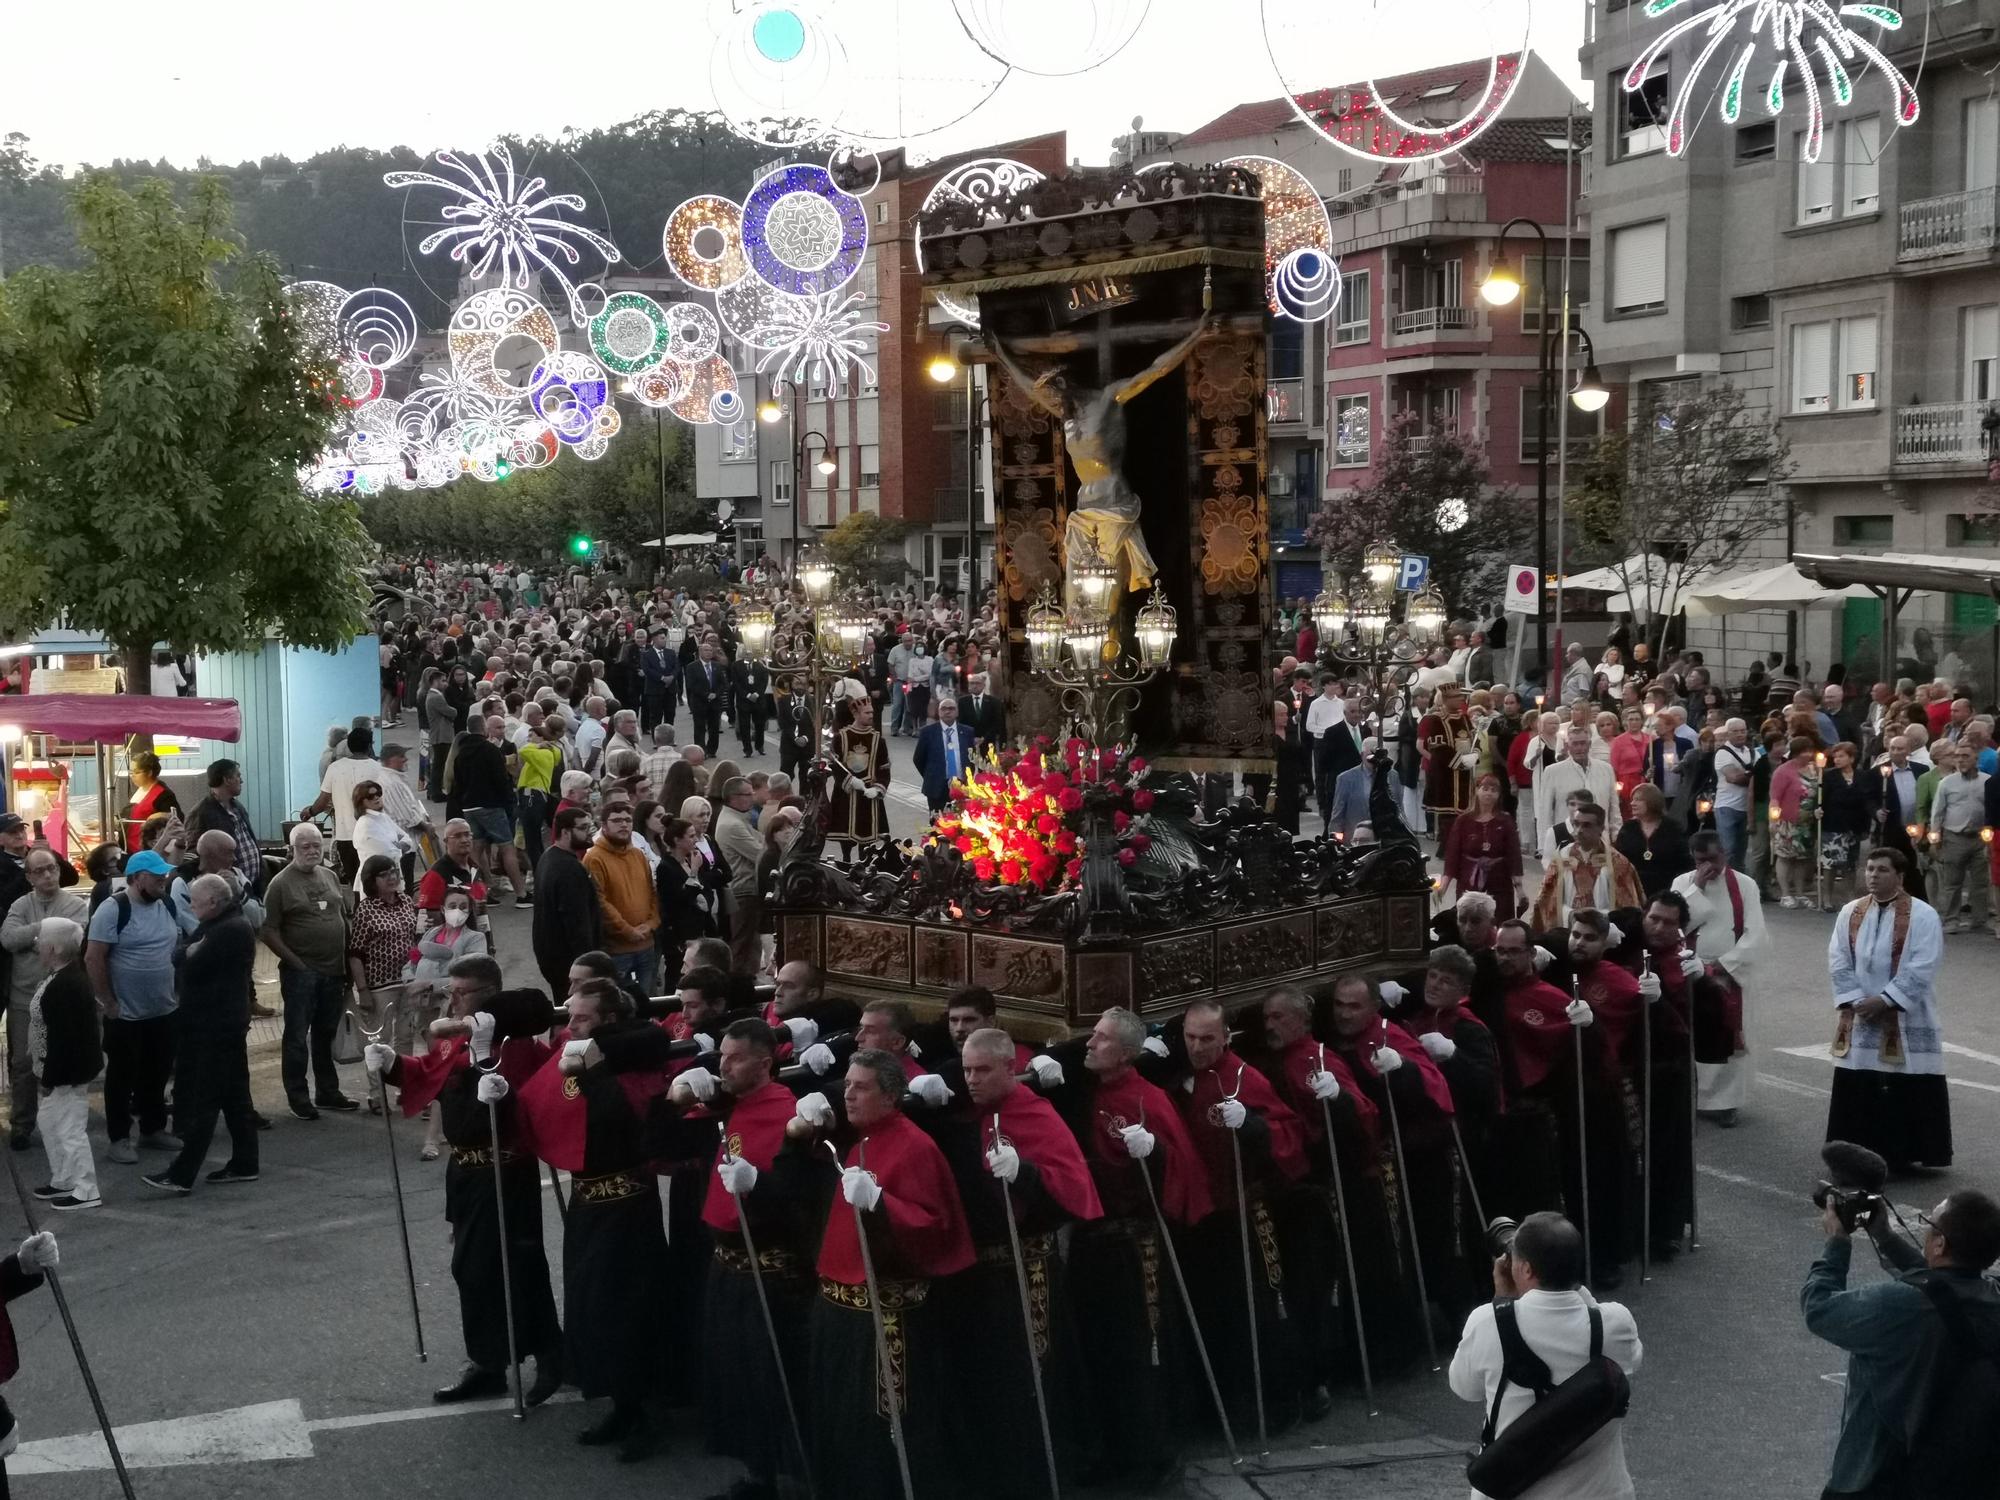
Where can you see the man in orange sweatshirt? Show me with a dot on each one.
(625, 895)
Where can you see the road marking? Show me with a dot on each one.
(263, 1433)
(1790, 1195)
(1792, 1087)
(1820, 1054)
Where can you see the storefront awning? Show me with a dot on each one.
(1927, 572)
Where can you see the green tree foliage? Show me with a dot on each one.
(1690, 485)
(153, 420)
(868, 547)
(533, 513)
(1407, 506)
(330, 218)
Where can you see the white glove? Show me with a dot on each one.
(1543, 958)
(1468, 760)
(860, 1189)
(1155, 1045)
(1232, 1114)
(1619, 936)
(1392, 993)
(815, 1111)
(378, 1058)
(736, 1175)
(492, 1088)
(818, 1057)
(699, 1082)
(1048, 1072)
(1004, 1162)
(804, 1032)
(483, 1026)
(1324, 1086)
(1441, 1047)
(1138, 1141)
(1386, 1060)
(703, 1043)
(854, 784)
(931, 1089)
(1579, 1014)
(449, 1026)
(1692, 966)
(874, 792)
(571, 1061)
(38, 1253)
(1649, 988)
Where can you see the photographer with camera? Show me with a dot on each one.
(1922, 1412)
(1549, 1363)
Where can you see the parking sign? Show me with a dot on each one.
(1412, 572)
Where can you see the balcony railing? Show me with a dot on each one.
(1951, 225)
(1452, 182)
(1285, 401)
(1432, 319)
(948, 409)
(1947, 432)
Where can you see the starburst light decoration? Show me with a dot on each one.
(1804, 41)
(504, 223)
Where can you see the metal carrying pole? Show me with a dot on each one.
(883, 1371)
(771, 1328)
(1249, 1276)
(1694, 1104)
(1646, 1128)
(1582, 1138)
(396, 1182)
(1028, 1321)
(1346, 1242)
(1410, 1215)
(75, 1343)
(506, 1261)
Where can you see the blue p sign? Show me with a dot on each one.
(1412, 572)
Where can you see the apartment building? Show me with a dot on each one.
(1409, 335)
(1856, 298)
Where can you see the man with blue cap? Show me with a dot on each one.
(130, 961)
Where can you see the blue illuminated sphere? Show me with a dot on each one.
(779, 35)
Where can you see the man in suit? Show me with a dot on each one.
(982, 713)
(1892, 798)
(944, 749)
(1337, 749)
(750, 682)
(795, 735)
(707, 684)
(1348, 808)
(660, 679)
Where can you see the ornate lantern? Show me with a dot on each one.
(816, 573)
(754, 627)
(1044, 630)
(1380, 564)
(1371, 615)
(1426, 616)
(1156, 628)
(1330, 612)
(1086, 630)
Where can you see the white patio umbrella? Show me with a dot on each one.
(1779, 587)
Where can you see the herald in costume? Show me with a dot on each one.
(860, 783)
(1451, 758)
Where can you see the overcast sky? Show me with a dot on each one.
(99, 79)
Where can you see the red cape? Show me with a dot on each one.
(1299, 1062)
(1444, 1023)
(1538, 1029)
(919, 1224)
(1032, 1126)
(1613, 992)
(1392, 1035)
(423, 1078)
(1231, 1075)
(755, 1130)
(554, 1114)
(1132, 1101)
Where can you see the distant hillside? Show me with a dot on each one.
(330, 217)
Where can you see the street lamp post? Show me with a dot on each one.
(1369, 606)
(769, 411)
(944, 367)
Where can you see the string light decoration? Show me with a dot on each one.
(378, 326)
(484, 322)
(572, 395)
(630, 334)
(1805, 39)
(508, 223)
(1366, 120)
(973, 182)
(802, 233)
(1301, 276)
(826, 337)
(703, 242)
(1049, 38)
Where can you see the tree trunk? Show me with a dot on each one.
(137, 664)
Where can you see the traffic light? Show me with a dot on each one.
(579, 546)
(501, 468)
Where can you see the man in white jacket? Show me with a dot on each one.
(1542, 1274)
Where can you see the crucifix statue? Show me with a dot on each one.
(1105, 519)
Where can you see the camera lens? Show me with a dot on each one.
(1500, 1235)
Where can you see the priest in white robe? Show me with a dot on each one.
(1888, 1047)
(1726, 927)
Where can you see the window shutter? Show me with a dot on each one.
(1862, 152)
(1639, 266)
(1812, 366)
(1857, 362)
(1815, 183)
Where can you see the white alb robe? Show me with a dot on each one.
(1865, 968)
(1712, 921)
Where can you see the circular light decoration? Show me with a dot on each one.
(316, 309)
(1413, 116)
(662, 385)
(493, 317)
(861, 73)
(1052, 38)
(707, 381)
(1301, 277)
(631, 334)
(590, 299)
(1306, 285)
(1452, 515)
(974, 182)
(1802, 38)
(802, 233)
(378, 326)
(360, 382)
(570, 390)
(703, 242)
(693, 334)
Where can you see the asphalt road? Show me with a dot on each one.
(265, 1328)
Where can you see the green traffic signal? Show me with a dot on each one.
(580, 545)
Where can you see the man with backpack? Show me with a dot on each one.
(1922, 1411)
(1545, 1346)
